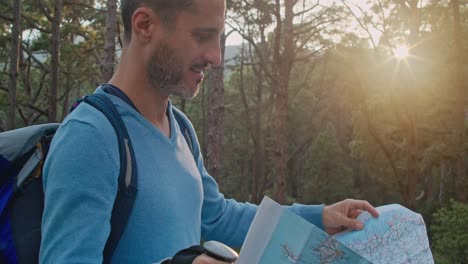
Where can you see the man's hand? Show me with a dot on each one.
(339, 216)
(204, 259)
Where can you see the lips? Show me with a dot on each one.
(198, 73)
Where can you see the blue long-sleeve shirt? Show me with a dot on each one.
(177, 205)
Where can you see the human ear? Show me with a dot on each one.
(143, 22)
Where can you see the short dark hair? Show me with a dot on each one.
(167, 10)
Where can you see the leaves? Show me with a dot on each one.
(360, 123)
(450, 233)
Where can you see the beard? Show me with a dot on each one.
(165, 72)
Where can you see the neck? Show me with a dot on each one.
(130, 76)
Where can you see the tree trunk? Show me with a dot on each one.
(442, 182)
(429, 185)
(460, 96)
(281, 100)
(66, 95)
(14, 59)
(183, 103)
(253, 188)
(412, 170)
(244, 178)
(55, 62)
(414, 22)
(255, 131)
(109, 41)
(260, 157)
(213, 141)
(410, 88)
(413, 145)
(203, 121)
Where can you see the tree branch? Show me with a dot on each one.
(35, 108)
(9, 19)
(308, 9)
(252, 42)
(403, 5)
(363, 26)
(303, 84)
(45, 10)
(33, 25)
(78, 3)
(30, 54)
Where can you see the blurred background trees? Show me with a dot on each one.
(316, 101)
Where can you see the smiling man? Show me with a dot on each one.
(168, 45)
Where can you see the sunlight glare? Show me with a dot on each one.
(401, 52)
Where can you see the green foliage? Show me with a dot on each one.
(450, 233)
(81, 47)
(351, 104)
(325, 174)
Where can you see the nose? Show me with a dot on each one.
(213, 54)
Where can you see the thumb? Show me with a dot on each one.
(353, 224)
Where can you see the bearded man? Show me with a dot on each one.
(167, 47)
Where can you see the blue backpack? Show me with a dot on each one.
(22, 154)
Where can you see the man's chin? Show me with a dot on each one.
(186, 92)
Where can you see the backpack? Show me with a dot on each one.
(22, 154)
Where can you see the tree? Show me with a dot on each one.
(460, 97)
(109, 40)
(450, 238)
(325, 174)
(14, 59)
(291, 39)
(80, 49)
(256, 111)
(406, 143)
(55, 64)
(215, 112)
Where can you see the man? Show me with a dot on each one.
(168, 45)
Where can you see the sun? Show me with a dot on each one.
(401, 52)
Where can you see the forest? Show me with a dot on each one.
(316, 101)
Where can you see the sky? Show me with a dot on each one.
(234, 38)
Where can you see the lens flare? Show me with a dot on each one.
(401, 52)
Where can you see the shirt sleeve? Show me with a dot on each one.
(227, 220)
(80, 184)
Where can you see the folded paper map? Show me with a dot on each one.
(279, 236)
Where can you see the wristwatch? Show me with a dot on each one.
(220, 251)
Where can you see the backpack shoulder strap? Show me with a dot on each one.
(184, 128)
(128, 178)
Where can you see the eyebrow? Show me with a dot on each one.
(205, 30)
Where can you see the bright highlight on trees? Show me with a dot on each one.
(401, 52)
(320, 100)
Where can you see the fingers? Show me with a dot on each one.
(352, 223)
(344, 214)
(204, 259)
(354, 213)
(355, 208)
(365, 206)
(332, 231)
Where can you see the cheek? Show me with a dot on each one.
(190, 51)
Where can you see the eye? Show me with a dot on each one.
(202, 38)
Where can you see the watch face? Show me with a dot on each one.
(220, 251)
